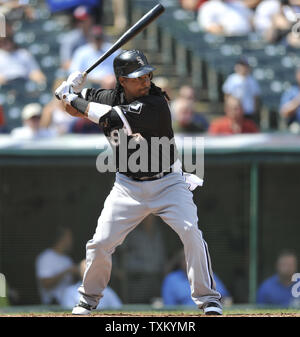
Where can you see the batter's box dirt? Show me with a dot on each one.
(163, 315)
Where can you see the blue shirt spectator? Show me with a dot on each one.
(76, 37)
(277, 289)
(89, 53)
(176, 289)
(273, 292)
(242, 85)
(290, 102)
(290, 105)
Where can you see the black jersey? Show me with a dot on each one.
(148, 116)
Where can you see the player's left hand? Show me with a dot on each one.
(63, 92)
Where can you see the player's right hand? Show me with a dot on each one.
(76, 80)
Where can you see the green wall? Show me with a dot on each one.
(35, 198)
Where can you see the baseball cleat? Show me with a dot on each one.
(82, 309)
(213, 308)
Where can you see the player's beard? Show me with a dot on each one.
(145, 91)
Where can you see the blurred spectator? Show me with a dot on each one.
(144, 258)
(77, 37)
(227, 17)
(277, 289)
(84, 126)
(17, 63)
(2, 120)
(176, 288)
(120, 18)
(251, 3)
(264, 14)
(70, 295)
(31, 129)
(54, 115)
(290, 102)
(164, 84)
(187, 92)
(185, 119)
(280, 17)
(184, 114)
(234, 121)
(244, 86)
(8, 7)
(191, 5)
(55, 269)
(86, 55)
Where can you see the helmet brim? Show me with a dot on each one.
(140, 72)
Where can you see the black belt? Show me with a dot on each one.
(146, 178)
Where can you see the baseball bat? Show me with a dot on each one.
(129, 34)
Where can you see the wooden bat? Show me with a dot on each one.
(129, 34)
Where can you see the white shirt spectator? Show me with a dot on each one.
(233, 16)
(49, 264)
(27, 133)
(31, 128)
(244, 88)
(264, 13)
(17, 64)
(86, 55)
(71, 297)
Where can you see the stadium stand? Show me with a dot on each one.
(180, 50)
(208, 59)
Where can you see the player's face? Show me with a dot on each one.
(136, 87)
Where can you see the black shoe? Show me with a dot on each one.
(213, 308)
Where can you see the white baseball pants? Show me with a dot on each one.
(128, 203)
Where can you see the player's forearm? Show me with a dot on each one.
(80, 105)
(93, 111)
(72, 111)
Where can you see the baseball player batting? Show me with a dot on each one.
(138, 107)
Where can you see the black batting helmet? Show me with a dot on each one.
(131, 64)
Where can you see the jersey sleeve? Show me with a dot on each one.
(102, 96)
(115, 119)
(110, 121)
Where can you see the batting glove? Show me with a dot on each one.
(76, 80)
(62, 90)
(63, 93)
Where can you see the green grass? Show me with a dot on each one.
(152, 313)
